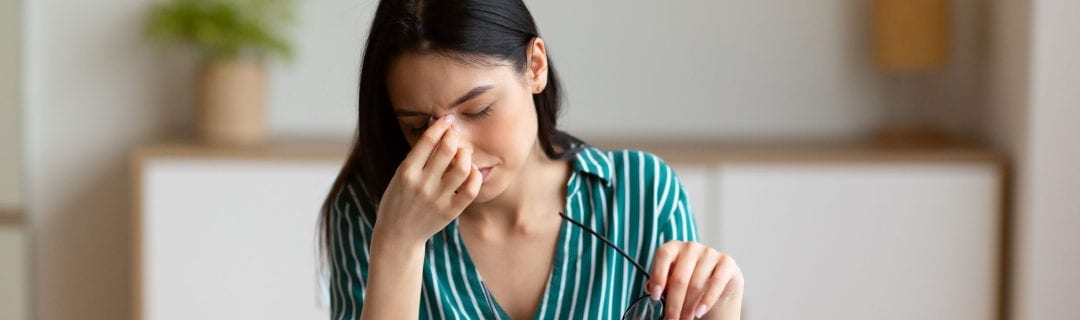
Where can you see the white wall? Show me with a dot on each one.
(94, 91)
(1009, 59)
(316, 95)
(10, 104)
(1047, 214)
(1033, 117)
(14, 291)
(727, 68)
(722, 69)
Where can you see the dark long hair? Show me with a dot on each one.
(481, 32)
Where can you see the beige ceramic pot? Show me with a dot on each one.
(231, 103)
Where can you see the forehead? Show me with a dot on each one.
(431, 80)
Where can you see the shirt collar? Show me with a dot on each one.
(595, 162)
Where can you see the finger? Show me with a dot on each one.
(721, 283)
(662, 261)
(442, 155)
(423, 147)
(468, 193)
(458, 171)
(679, 281)
(700, 282)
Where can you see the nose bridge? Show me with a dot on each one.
(465, 136)
(464, 130)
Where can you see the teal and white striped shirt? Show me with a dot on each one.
(630, 197)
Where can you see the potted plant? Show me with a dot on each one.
(234, 39)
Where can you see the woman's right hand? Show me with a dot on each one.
(431, 187)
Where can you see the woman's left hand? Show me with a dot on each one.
(695, 278)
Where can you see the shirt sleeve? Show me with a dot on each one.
(676, 217)
(348, 250)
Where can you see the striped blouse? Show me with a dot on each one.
(630, 197)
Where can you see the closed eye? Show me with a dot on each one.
(470, 116)
(479, 115)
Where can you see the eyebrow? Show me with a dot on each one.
(475, 92)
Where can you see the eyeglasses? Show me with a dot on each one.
(642, 308)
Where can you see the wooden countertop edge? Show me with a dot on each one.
(674, 151)
(301, 149)
(805, 151)
(11, 217)
(822, 155)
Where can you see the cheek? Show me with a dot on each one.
(506, 135)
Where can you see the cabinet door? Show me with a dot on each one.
(231, 239)
(697, 180)
(862, 241)
(13, 273)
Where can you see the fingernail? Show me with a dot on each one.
(450, 118)
(700, 311)
(654, 293)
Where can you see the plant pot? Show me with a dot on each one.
(231, 102)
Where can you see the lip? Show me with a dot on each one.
(486, 172)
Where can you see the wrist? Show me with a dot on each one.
(394, 243)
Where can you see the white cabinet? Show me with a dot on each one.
(14, 273)
(855, 239)
(819, 234)
(229, 236)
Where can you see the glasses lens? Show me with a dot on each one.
(645, 309)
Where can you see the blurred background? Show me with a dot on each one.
(861, 159)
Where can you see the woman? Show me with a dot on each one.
(460, 198)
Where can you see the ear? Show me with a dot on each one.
(536, 66)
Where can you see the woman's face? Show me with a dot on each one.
(492, 105)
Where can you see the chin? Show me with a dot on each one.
(488, 192)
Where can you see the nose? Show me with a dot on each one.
(464, 135)
(462, 130)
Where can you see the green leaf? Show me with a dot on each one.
(225, 28)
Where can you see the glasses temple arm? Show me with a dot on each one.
(612, 245)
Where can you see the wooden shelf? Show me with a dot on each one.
(10, 217)
(784, 151)
(301, 149)
(681, 151)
